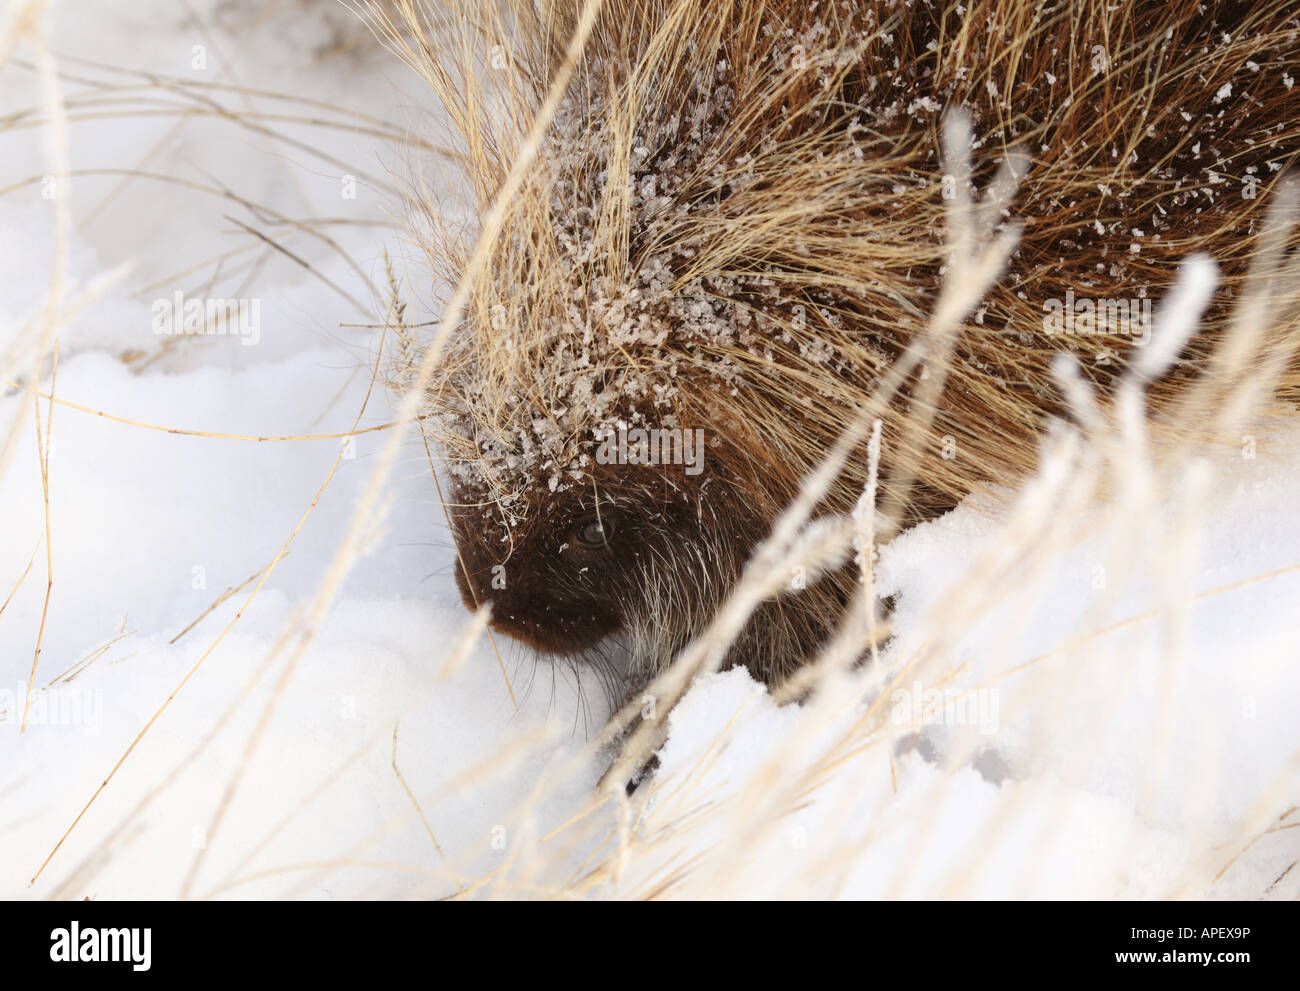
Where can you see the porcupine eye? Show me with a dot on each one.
(595, 532)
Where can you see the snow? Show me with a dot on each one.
(1043, 804)
(150, 528)
(1138, 762)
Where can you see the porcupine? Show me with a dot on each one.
(735, 224)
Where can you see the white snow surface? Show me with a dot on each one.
(1144, 759)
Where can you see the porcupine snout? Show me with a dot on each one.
(546, 589)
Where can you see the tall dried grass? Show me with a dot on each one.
(680, 835)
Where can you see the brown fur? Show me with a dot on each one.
(797, 210)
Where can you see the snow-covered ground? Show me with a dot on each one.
(1138, 761)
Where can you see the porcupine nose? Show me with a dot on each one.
(533, 619)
